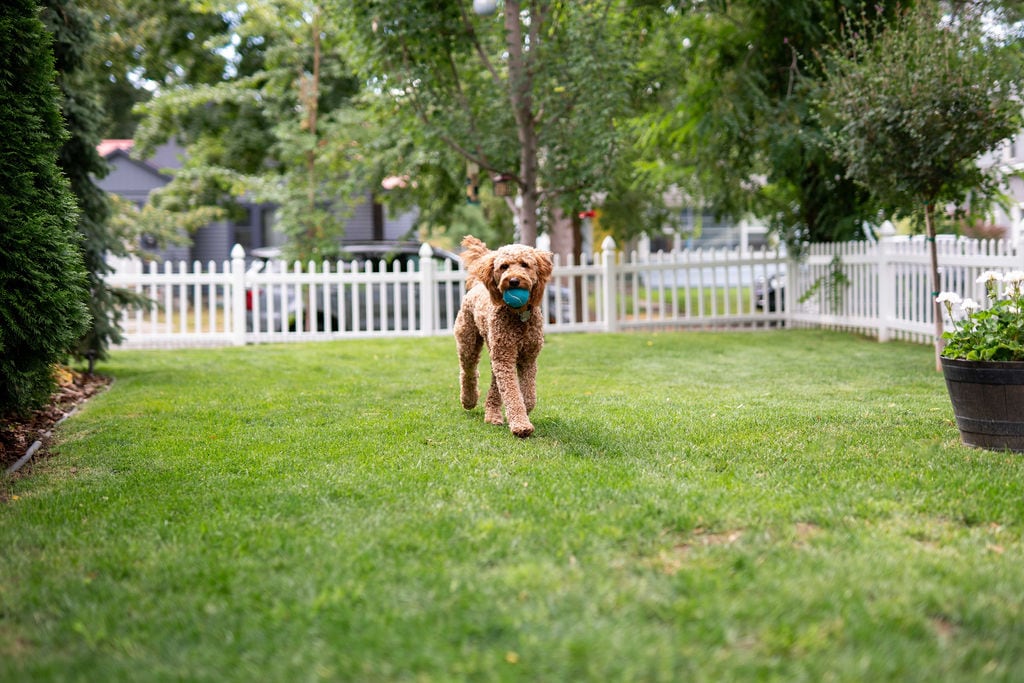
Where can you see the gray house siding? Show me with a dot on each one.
(364, 226)
(134, 179)
(131, 179)
(213, 242)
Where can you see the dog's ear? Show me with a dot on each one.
(474, 251)
(544, 266)
(474, 248)
(481, 267)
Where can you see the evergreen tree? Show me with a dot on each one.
(82, 164)
(43, 286)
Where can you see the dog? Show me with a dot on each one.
(514, 336)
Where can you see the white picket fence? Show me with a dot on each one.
(883, 289)
(880, 289)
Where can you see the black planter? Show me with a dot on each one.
(988, 401)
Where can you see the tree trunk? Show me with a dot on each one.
(520, 84)
(312, 102)
(929, 222)
(577, 252)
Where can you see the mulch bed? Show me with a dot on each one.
(17, 434)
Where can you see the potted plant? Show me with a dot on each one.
(983, 362)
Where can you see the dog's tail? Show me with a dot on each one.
(474, 249)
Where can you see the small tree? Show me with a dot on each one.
(536, 94)
(912, 107)
(275, 127)
(43, 288)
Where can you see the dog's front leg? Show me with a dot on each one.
(492, 407)
(528, 382)
(503, 368)
(469, 344)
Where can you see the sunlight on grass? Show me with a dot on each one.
(790, 505)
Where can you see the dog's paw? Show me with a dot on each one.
(492, 418)
(469, 399)
(521, 429)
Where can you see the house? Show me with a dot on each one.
(1009, 158)
(134, 179)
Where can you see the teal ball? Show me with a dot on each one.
(516, 298)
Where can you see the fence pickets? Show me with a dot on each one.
(882, 289)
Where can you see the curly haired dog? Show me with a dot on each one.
(514, 336)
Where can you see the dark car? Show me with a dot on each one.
(769, 292)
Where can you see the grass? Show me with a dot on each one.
(693, 301)
(784, 506)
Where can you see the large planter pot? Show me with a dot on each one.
(988, 401)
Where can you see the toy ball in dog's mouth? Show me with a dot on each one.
(516, 298)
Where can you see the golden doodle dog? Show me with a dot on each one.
(502, 309)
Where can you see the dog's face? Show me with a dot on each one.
(514, 267)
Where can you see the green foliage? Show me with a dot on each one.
(276, 128)
(71, 28)
(145, 44)
(910, 108)
(43, 284)
(731, 119)
(830, 286)
(547, 107)
(995, 333)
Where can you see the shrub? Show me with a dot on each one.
(43, 289)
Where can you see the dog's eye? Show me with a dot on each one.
(503, 266)
(524, 264)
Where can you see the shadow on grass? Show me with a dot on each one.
(583, 437)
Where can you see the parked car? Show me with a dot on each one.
(769, 292)
(284, 309)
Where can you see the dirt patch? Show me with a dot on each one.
(17, 434)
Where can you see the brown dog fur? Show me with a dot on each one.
(512, 341)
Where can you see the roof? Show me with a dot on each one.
(165, 156)
(108, 147)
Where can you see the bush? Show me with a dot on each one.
(43, 286)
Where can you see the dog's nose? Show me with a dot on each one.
(514, 282)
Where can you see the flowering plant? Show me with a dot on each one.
(995, 333)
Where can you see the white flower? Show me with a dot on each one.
(1014, 277)
(989, 276)
(969, 305)
(948, 297)
(1014, 283)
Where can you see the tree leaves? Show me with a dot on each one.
(910, 109)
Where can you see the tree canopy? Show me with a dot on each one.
(278, 125)
(734, 124)
(537, 94)
(910, 108)
(606, 102)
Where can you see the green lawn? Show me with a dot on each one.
(789, 506)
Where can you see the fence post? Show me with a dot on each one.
(789, 286)
(611, 322)
(428, 290)
(237, 292)
(886, 289)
